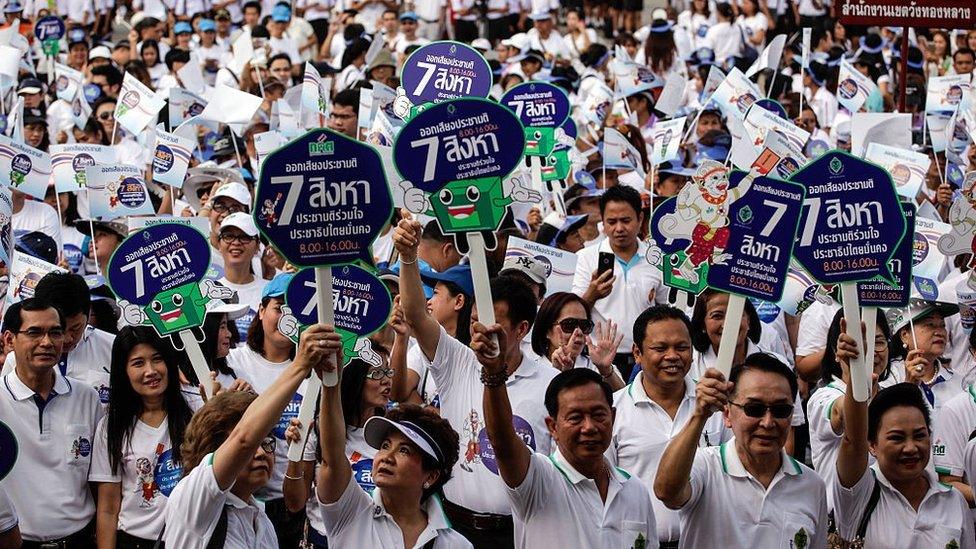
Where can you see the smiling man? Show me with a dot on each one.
(573, 497)
(750, 481)
(53, 419)
(237, 242)
(657, 404)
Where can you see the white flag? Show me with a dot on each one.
(735, 95)
(853, 88)
(171, 157)
(117, 191)
(770, 56)
(70, 160)
(24, 168)
(231, 106)
(67, 82)
(9, 66)
(137, 106)
(667, 140)
(618, 153)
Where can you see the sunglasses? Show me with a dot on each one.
(106, 116)
(268, 444)
(758, 409)
(568, 325)
(380, 373)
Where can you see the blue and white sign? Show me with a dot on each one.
(852, 221)
(458, 140)
(538, 104)
(360, 300)
(445, 70)
(171, 158)
(117, 191)
(760, 241)
(49, 28)
(322, 199)
(882, 293)
(157, 259)
(69, 162)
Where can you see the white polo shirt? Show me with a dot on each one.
(358, 519)
(951, 431)
(8, 515)
(824, 442)
(641, 432)
(815, 321)
(628, 298)
(730, 508)
(942, 517)
(55, 450)
(556, 506)
(194, 508)
(475, 483)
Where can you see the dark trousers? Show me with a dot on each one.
(498, 29)
(82, 539)
(501, 536)
(289, 527)
(465, 31)
(126, 541)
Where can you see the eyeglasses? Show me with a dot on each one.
(239, 238)
(223, 207)
(380, 373)
(568, 325)
(106, 116)
(758, 409)
(880, 344)
(37, 334)
(268, 444)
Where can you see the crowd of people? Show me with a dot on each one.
(586, 416)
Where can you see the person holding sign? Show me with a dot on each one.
(749, 481)
(621, 285)
(574, 497)
(267, 355)
(476, 501)
(898, 501)
(54, 420)
(137, 444)
(415, 453)
(918, 346)
(228, 454)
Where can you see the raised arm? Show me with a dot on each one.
(671, 485)
(511, 454)
(334, 470)
(406, 239)
(236, 452)
(852, 458)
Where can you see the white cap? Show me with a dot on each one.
(99, 52)
(242, 221)
(659, 13)
(519, 41)
(481, 44)
(234, 191)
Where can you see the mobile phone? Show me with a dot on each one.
(604, 263)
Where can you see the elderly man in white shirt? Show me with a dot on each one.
(656, 406)
(573, 497)
(748, 492)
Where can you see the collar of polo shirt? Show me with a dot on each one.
(732, 465)
(934, 483)
(436, 519)
(575, 477)
(22, 392)
(637, 392)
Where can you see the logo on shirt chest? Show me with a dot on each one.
(81, 447)
(800, 539)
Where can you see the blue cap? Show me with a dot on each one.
(281, 13)
(409, 15)
(13, 7)
(207, 25)
(572, 223)
(182, 27)
(76, 36)
(458, 274)
(277, 286)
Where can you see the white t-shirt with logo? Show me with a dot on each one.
(261, 374)
(147, 473)
(250, 294)
(360, 457)
(475, 483)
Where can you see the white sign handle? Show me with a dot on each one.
(730, 333)
(479, 275)
(870, 317)
(860, 375)
(323, 295)
(197, 361)
(535, 168)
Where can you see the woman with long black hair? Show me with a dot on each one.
(137, 443)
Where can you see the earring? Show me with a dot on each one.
(426, 485)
